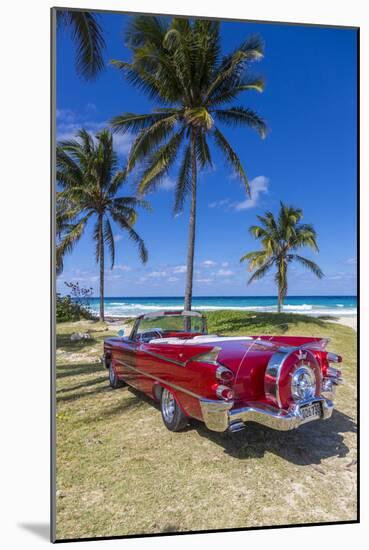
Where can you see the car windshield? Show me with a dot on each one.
(168, 324)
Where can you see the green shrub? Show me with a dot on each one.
(69, 310)
(74, 307)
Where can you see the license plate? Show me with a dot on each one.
(311, 412)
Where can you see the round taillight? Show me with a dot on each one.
(224, 374)
(223, 392)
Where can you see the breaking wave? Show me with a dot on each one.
(125, 308)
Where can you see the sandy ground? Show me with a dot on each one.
(348, 321)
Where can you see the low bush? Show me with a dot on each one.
(74, 307)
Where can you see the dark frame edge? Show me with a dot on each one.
(207, 531)
(53, 12)
(223, 18)
(358, 264)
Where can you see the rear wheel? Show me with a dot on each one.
(113, 378)
(173, 417)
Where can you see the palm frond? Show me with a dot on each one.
(260, 272)
(310, 265)
(183, 186)
(202, 151)
(239, 116)
(231, 157)
(72, 234)
(149, 139)
(88, 37)
(109, 240)
(232, 90)
(234, 64)
(117, 180)
(132, 234)
(160, 163)
(256, 258)
(145, 28)
(135, 123)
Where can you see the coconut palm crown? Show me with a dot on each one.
(280, 238)
(178, 64)
(89, 181)
(88, 38)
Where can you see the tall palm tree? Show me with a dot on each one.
(178, 64)
(280, 238)
(89, 182)
(88, 38)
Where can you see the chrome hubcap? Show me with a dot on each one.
(168, 405)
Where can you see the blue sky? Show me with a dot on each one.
(308, 160)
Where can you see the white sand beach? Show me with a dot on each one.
(348, 320)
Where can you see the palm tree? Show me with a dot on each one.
(89, 181)
(178, 64)
(88, 38)
(280, 238)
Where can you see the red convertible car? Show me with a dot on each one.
(226, 381)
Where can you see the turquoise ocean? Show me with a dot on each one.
(308, 305)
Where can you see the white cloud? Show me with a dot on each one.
(122, 143)
(172, 279)
(219, 204)
(123, 267)
(257, 186)
(167, 184)
(69, 122)
(90, 107)
(65, 114)
(205, 280)
(224, 273)
(157, 274)
(118, 237)
(334, 277)
(68, 128)
(180, 269)
(351, 261)
(209, 263)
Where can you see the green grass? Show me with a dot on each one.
(119, 471)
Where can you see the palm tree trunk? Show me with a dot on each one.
(282, 286)
(191, 230)
(280, 300)
(101, 258)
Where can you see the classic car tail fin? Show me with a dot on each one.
(297, 341)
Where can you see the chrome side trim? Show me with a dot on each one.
(161, 380)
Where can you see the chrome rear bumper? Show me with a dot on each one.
(220, 415)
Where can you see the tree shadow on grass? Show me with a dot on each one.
(82, 385)
(74, 369)
(82, 395)
(308, 445)
(107, 412)
(263, 322)
(64, 342)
